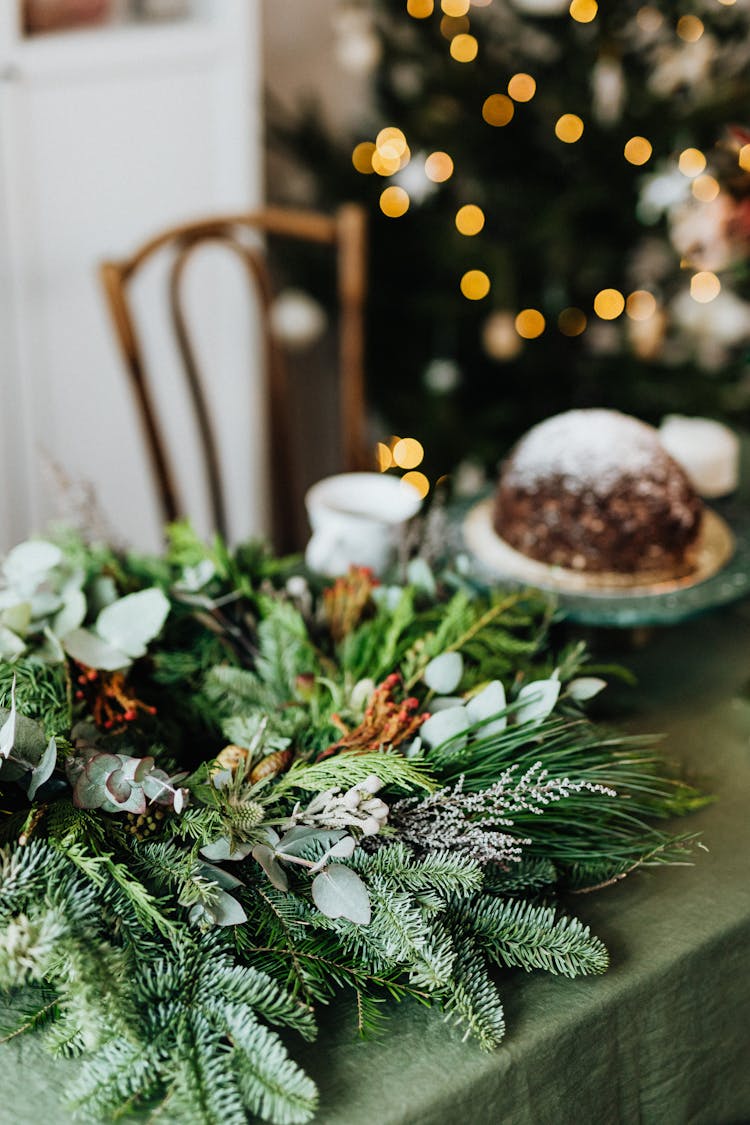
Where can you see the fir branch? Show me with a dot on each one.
(343, 771)
(471, 998)
(515, 932)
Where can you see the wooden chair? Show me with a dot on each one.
(346, 234)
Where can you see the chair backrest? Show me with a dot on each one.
(345, 232)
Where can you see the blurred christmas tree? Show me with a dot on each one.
(549, 228)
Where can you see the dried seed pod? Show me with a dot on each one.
(232, 757)
(271, 765)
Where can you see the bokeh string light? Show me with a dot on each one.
(638, 150)
(391, 152)
(438, 167)
(583, 11)
(475, 285)
(522, 87)
(691, 162)
(609, 304)
(420, 9)
(690, 28)
(469, 219)
(569, 128)
(464, 48)
(498, 110)
(704, 287)
(394, 202)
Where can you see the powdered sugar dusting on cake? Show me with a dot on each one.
(590, 450)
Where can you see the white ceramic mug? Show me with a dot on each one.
(356, 519)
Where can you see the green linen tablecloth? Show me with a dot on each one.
(662, 1039)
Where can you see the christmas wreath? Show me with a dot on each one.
(229, 793)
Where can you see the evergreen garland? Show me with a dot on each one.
(244, 804)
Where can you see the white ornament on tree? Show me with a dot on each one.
(297, 319)
(356, 46)
(441, 376)
(608, 90)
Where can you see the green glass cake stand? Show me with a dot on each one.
(721, 576)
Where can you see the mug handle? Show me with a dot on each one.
(322, 550)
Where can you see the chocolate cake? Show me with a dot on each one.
(594, 490)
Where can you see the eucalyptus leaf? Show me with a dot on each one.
(157, 787)
(338, 892)
(50, 651)
(100, 766)
(443, 673)
(85, 647)
(17, 617)
(298, 840)
(72, 614)
(131, 622)
(227, 911)
(102, 592)
(266, 857)
(29, 741)
(11, 645)
(8, 729)
(541, 697)
(118, 787)
(486, 705)
(445, 702)
(585, 687)
(446, 725)
(419, 574)
(220, 850)
(88, 794)
(34, 557)
(218, 875)
(43, 772)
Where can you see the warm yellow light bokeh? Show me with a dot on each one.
(572, 321)
(705, 188)
(609, 303)
(640, 305)
(584, 11)
(438, 167)
(464, 48)
(420, 9)
(498, 109)
(408, 453)
(455, 7)
(383, 456)
(454, 25)
(522, 87)
(394, 202)
(692, 162)
(475, 285)
(690, 28)
(469, 219)
(383, 165)
(362, 157)
(744, 158)
(530, 323)
(704, 287)
(418, 481)
(391, 143)
(569, 128)
(638, 150)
